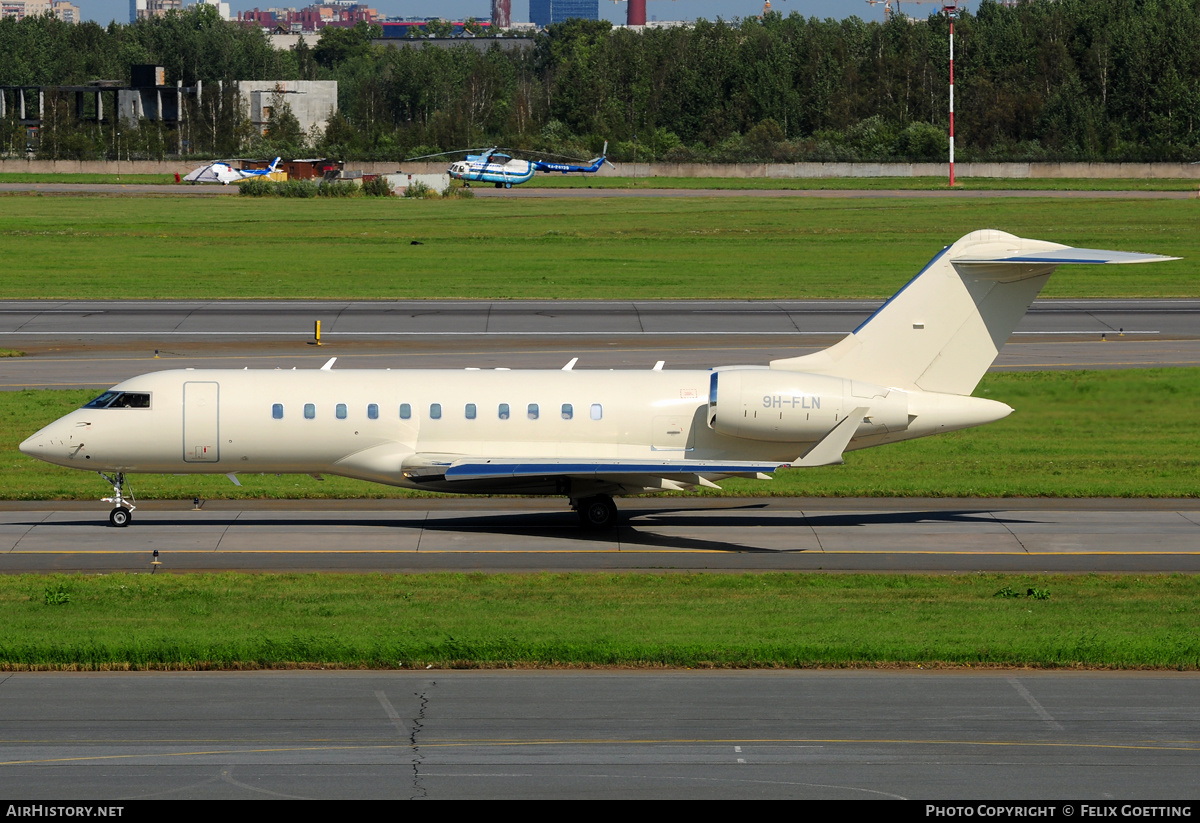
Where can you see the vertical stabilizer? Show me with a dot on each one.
(942, 331)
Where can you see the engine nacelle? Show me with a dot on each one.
(794, 407)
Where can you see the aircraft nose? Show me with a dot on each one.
(51, 444)
(34, 445)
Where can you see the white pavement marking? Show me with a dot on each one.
(392, 714)
(29, 529)
(1036, 706)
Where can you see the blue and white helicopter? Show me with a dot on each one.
(223, 173)
(504, 171)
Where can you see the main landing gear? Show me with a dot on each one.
(597, 513)
(122, 511)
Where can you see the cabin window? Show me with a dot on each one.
(277, 411)
(470, 411)
(340, 411)
(435, 411)
(503, 411)
(310, 411)
(597, 411)
(405, 411)
(532, 411)
(372, 411)
(567, 411)
(121, 400)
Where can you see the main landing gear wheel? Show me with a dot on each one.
(119, 517)
(508, 185)
(596, 513)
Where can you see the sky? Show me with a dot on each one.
(103, 11)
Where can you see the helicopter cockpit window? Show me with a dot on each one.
(121, 400)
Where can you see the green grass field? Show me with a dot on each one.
(730, 183)
(1074, 434)
(88, 179)
(651, 248)
(229, 621)
(547, 181)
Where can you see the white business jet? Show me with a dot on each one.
(907, 372)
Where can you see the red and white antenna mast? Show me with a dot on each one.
(951, 10)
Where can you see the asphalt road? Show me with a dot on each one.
(656, 534)
(1019, 735)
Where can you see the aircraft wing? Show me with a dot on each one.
(488, 469)
(517, 473)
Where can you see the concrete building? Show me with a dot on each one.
(545, 12)
(141, 9)
(309, 19)
(222, 8)
(63, 10)
(312, 101)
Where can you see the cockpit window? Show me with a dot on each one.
(121, 400)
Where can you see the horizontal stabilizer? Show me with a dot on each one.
(473, 469)
(942, 331)
(1066, 255)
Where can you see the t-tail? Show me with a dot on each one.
(943, 330)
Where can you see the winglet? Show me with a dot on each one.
(828, 450)
(328, 364)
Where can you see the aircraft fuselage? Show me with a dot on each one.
(369, 424)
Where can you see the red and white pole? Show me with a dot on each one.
(951, 11)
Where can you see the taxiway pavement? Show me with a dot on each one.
(1017, 735)
(97, 344)
(656, 534)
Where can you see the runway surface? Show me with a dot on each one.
(539, 534)
(1018, 735)
(101, 343)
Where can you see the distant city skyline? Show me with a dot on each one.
(102, 11)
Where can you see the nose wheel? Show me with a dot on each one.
(123, 508)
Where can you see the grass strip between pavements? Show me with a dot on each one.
(628, 248)
(866, 183)
(1121, 433)
(569, 181)
(240, 621)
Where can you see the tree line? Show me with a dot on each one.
(1053, 80)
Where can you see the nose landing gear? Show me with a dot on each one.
(122, 511)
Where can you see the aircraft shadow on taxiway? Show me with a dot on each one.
(564, 525)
